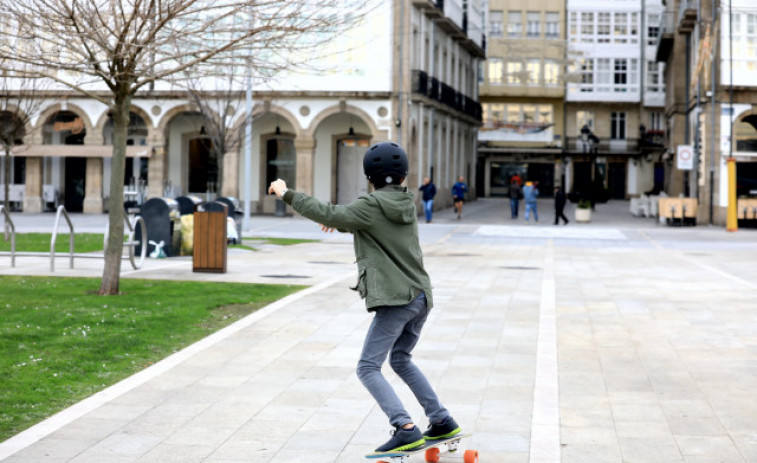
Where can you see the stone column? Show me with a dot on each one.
(305, 148)
(33, 201)
(231, 174)
(156, 172)
(93, 187)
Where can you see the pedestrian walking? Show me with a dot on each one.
(516, 194)
(394, 284)
(560, 201)
(428, 189)
(530, 193)
(458, 195)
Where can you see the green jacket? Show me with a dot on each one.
(387, 250)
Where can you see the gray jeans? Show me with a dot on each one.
(395, 331)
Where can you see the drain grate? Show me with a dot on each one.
(515, 267)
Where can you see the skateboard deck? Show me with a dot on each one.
(432, 449)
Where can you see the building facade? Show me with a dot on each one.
(614, 99)
(407, 73)
(710, 51)
(522, 94)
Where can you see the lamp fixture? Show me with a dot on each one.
(351, 132)
(278, 130)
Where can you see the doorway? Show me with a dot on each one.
(203, 170)
(74, 184)
(351, 182)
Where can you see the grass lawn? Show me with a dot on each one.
(60, 342)
(40, 242)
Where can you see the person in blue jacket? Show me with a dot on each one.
(530, 193)
(429, 191)
(458, 195)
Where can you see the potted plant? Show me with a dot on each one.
(583, 211)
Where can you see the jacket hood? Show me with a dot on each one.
(397, 204)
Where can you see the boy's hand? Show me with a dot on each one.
(325, 228)
(278, 187)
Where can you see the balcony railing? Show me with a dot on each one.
(604, 147)
(665, 37)
(432, 88)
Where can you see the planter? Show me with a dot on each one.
(583, 215)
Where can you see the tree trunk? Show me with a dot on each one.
(7, 179)
(112, 269)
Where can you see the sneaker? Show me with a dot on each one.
(443, 430)
(403, 440)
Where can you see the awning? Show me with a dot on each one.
(77, 151)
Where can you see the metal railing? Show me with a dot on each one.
(62, 211)
(130, 242)
(11, 235)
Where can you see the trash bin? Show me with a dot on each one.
(187, 204)
(210, 251)
(163, 224)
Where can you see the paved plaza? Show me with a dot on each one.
(621, 340)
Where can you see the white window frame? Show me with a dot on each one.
(618, 125)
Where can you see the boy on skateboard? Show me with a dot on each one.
(394, 284)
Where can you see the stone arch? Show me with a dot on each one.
(263, 110)
(745, 131)
(166, 118)
(101, 121)
(52, 110)
(376, 134)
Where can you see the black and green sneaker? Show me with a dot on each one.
(444, 430)
(403, 440)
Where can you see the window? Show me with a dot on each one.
(604, 80)
(655, 81)
(655, 121)
(514, 70)
(618, 126)
(533, 71)
(493, 114)
(587, 27)
(620, 74)
(603, 27)
(496, 24)
(587, 72)
(552, 25)
(573, 26)
(551, 73)
(621, 28)
(533, 24)
(496, 66)
(653, 28)
(584, 119)
(514, 24)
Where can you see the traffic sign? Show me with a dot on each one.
(685, 157)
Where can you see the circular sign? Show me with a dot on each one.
(684, 154)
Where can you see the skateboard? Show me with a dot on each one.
(433, 450)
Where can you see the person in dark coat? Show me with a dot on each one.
(560, 200)
(516, 194)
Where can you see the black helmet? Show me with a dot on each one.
(385, 163)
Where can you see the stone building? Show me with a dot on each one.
(408, 73)
(710, 51)
(522, 95)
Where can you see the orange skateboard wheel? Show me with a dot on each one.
(432, 455)
(471, 456)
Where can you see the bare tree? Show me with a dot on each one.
(20, 102)
(109, 50)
